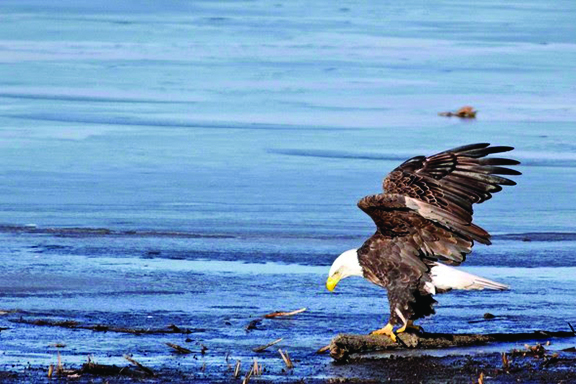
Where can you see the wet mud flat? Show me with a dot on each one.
(137, 353)
(106, 296)
(458, 368)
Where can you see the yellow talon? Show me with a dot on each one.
(409, 326)
(388, 330)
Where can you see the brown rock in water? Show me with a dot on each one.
(466, 112)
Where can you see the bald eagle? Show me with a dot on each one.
(423, 228)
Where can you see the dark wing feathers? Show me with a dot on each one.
(453, 180)
(425, 215)
(416, 229)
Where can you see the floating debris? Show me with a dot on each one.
(105, 328)
(284, 314)
(253, 324)
(466, 112)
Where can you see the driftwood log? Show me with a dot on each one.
(105, 328)
(346, 347)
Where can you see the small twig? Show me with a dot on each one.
(179, 349)
(572, 328)
(286, 359)
(227, 358)
(237, 369)
(323, 349)
(505, 362)
(481, 378)
(256, 368)
(248, 376)
(264, 347)
(59, 367)
(145, 369)
(281, 313)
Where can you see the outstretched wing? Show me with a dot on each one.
(425, 215)
(453, 180)
(442, 189)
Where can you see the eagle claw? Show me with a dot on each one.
(388, 330)
(409, 326)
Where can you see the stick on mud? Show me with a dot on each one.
(142, 367)
(284, 314)
(248, 376)
(257, 370)
(237, 369)
(286, 359)
(266, 346)
(179, 349)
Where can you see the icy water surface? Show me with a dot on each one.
(198, 164)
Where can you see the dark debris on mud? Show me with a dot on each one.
(531, 365)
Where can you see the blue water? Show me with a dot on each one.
(222, 146)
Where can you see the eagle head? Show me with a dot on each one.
(344, 266)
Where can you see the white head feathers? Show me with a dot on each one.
(346, 265)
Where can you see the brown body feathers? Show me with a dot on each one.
(425, 216)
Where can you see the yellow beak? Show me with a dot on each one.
(332, 282)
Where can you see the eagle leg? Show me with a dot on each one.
(409, 326)
(388, 330)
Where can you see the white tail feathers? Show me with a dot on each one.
(446, 278)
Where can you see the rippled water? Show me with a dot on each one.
(198, 163)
